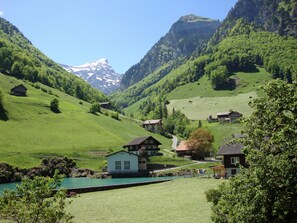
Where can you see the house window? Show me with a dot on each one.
(233, 172)
(126, 165)
(234, 160)
(118, 165)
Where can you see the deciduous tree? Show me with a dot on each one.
(200, 141)
(266, 191)
(34, 201)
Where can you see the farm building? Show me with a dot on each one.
(143, 146)
(153, 125)
(19, 90)
(231, 116)
(224, 117)
(183, 150)
(106, 105)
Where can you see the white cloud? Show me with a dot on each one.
(1, 13)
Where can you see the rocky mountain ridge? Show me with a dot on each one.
(98, 74)
(189, 34)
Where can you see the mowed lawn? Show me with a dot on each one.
(180, 200)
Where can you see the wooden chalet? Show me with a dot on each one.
(19, 90)
(153, 125)
(143, 146)
(233, 158)
(231, 116)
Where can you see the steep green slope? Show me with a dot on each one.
(33, 131)
(19, 58)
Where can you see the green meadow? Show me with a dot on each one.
(180, 200)
(199, 100)
(33, 131)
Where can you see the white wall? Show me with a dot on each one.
(122, 156)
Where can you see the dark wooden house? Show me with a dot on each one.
(106, 105)
(143, 146)
(233, 157)
(231, 116)
(19, 90)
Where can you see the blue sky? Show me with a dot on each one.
(73, 32)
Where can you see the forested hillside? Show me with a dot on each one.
(19, 58)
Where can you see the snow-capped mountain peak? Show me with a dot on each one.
(97, 73)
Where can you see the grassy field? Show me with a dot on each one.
(33, 131)
(247, 82)
(198, 100)
(181, 200)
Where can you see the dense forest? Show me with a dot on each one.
(19, 58)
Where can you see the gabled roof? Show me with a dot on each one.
(19, 86)
(140, 140)
(121, 151)
(182, 146)
(231, 149)
(148, 122)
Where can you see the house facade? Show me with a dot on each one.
(153, 125)
(143, 146)
(233, 158)
(122, 162)
(19, 90)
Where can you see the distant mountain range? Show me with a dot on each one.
(98, 74)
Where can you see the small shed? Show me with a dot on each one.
(106, 105)
(19, 90)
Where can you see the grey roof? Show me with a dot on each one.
(19, 87)
(140, 140)
(147, 122)
(231, 149)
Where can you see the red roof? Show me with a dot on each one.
(182, 146)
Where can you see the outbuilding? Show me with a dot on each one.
(19, 90)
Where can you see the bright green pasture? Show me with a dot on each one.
(181, 200)
(246, 82)
(199, 108)
(199, 100)
(33, 131)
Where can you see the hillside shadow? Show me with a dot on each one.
(3, 114)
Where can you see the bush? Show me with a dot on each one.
(54, 105)
(96, 107)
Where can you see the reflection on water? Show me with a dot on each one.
(92, 182)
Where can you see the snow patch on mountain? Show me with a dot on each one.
(98, 74)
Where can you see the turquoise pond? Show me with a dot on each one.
(69, 183)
